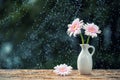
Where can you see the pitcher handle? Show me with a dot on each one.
(93, 49)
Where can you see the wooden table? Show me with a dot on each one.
(45, 74)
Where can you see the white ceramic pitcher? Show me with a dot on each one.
(84, 61)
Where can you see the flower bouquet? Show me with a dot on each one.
(84, 61)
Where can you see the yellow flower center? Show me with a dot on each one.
(74, 27)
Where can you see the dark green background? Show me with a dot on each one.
(36, 32)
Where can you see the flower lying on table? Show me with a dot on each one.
(62, 69)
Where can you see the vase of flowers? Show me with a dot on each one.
(84, 61)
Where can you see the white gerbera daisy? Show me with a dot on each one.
(91, 30)
(62, 69)
(75, 27)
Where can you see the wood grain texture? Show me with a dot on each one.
(45, 74)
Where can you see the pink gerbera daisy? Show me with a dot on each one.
(62, 69)
(91, 30)
(75, 27)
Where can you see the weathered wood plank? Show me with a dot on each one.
(49, 75)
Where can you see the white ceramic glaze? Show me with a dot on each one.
(84, 61)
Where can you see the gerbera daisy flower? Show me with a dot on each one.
(62, 69)
(91, 30)
(75, 27)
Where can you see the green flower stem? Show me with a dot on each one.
(82, 38)
(88, 40)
